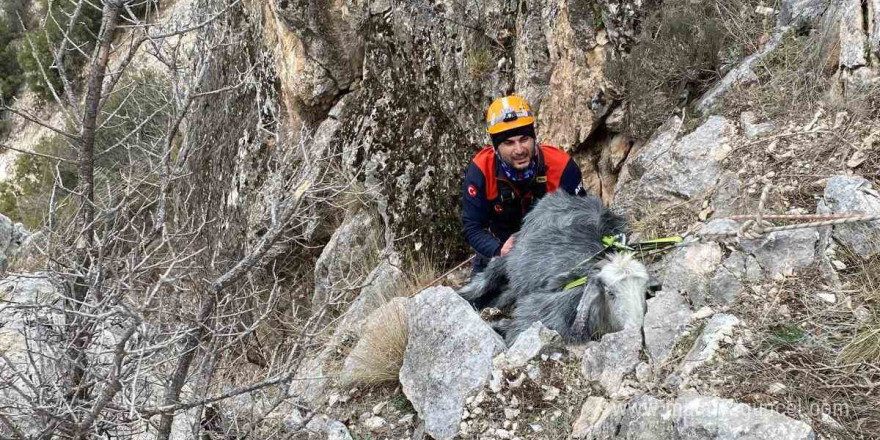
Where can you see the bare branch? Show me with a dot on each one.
(34, 153)
(37, 121)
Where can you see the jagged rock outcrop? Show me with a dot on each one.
(342, 260)
(799, 13)
(667, 170)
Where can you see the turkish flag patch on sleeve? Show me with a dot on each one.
(472, 190)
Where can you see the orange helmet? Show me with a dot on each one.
(508, 113)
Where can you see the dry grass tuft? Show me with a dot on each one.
(864, 348)
(378, 356)
(865, 344)
(420, 271)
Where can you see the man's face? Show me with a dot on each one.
(517, 151)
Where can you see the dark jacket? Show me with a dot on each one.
(493, 207)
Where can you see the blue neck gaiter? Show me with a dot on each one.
(516, 175)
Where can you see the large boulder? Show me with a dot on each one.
(667, 171)
(448, 357)
(855, 195)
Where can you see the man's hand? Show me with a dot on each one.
(508, 245)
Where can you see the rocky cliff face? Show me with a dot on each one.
(398, 89)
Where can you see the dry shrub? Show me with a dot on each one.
(378, 356)
(790, 80)
(684, 48)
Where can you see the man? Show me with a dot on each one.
(504, 181)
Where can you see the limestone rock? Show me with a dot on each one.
(319, 56)
(448, 357)
(724, 286)
(665, 323)
(347, 249)
(719, 327)
(689, 168)
(381, 283)
(799, 13)
(332, 429)
(376, 424)
(743, 266)
(527, 345)
(689, 270)
(700, 417)
(641, 159)
(312, 378)
(751, 129)
(575, 82)
(689, 417)
(647, 418)
(855, 195)
(853, 40)
(598, 419)
(782, 252)
(728, 196)
(606, 362)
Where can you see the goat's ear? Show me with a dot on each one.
(654, 286)
(595, 288)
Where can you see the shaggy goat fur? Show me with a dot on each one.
(612, 300)
(561, 231)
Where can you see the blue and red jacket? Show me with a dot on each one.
(493, 207)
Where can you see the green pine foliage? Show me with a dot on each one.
(37, 47)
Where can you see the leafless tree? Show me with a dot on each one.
(148, 310)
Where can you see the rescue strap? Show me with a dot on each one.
(619, 242)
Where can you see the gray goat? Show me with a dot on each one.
(559, 233)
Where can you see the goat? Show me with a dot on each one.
(612, 300)
(559, 234)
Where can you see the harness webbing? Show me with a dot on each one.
(619, 242)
